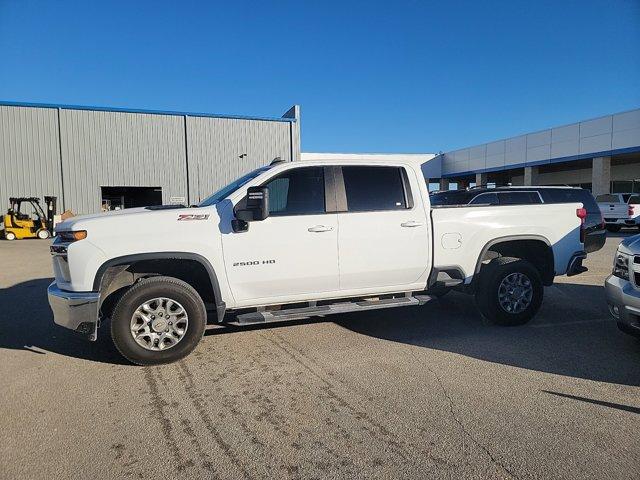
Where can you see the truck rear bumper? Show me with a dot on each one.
(623, 222)
(575, 266)
(77, 311)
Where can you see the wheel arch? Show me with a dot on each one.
(534, 248)
(110, 273)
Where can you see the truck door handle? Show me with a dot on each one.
(410, 224)
(320, 228)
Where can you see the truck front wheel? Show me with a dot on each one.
(158, 320)
(509, 291)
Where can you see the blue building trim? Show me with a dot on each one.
(135, 110)
(572, 158)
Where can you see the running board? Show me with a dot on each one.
(322, 310)
(449, 282)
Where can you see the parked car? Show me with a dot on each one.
(620, 210)
(301, 239)
(594, 228)
(622, 287)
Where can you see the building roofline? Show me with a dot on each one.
(538, 163)
(366, 156)
(542, 130)
(5, 103)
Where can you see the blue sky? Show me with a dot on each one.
(370, 76)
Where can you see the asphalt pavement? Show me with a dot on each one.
(418, 392)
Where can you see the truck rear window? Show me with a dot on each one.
(607, 199)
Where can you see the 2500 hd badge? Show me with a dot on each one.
(255, 262)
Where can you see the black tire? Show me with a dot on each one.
(439, 292)
(145, 290)
(623, 327)
(614, 228)
(491, 276)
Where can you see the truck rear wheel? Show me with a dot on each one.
(509, 292)
(158, 320)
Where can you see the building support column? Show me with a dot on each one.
(482, 179)
(601, 176)
(444, 184)
(530, 176)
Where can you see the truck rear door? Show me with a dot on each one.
(383, 234)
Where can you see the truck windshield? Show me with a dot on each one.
(224, 192)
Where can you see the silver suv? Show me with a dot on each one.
(622, 287)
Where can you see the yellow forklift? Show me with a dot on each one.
(26, 218)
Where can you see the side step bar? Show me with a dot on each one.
(332, 309)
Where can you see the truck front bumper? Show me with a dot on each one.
(624, 304)
(77, 311)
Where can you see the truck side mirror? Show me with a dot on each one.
(255, 210)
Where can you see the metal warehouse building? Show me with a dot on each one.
(99, 158)
(96, 158)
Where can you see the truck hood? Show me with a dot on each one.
(70, 222)
(133, 218)
(630, 245)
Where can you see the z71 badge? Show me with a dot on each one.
(186, 217)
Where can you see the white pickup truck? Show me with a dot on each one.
(301, 239)
(619, 210)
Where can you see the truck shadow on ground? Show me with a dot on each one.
(572, 335)
(26, 323)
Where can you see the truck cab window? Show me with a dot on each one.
(374, 188)
(298, 191)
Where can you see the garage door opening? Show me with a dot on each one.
(117, 198)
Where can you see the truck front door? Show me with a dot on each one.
(293, 253)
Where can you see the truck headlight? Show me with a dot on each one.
(71, 236)
(621, 266)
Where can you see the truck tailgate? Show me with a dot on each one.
(614, 211)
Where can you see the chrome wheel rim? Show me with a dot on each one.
(159, 324)
(515, 293)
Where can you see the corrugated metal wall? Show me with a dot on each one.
(222, 149)
(72, 152)
(121, 150)
(29, 153)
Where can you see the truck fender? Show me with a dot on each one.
(509, 238)
(129, 259)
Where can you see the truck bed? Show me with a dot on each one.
(462, 233)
